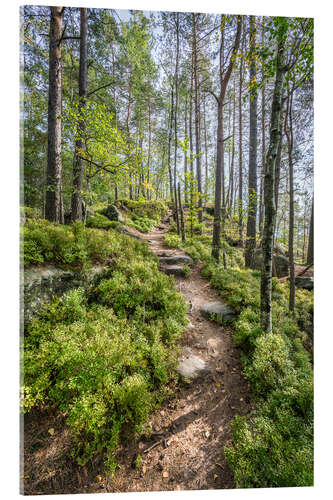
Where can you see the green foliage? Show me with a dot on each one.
(153, 209)
(106, 364)
(142, 224)
(99, 221)
(173, 240)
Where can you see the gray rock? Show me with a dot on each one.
(281, 263)
(173, 270)
(305, 282)
(176, 260)
(192, 367)
(39, 285)
(112, 213)
(127, 232)
(217, 311)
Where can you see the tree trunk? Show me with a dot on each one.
(240, 150)
(185, 154)
(181, 211)
(252, 190)
(290, 141)
(54, 163)
(176, 214)
(263, 146)
(269, 199)
(310, 255)
(169, 147)
(197, 114)
(79, 143)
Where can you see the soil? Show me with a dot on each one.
(189, 431)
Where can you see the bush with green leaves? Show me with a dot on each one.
(99, 221)
(105, 362)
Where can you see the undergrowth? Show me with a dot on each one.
(274, 445)
(105, 360)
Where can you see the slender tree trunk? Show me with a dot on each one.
(54, 163)
(185, 155)
(197, 113)
(269, 199)
(290, 142)
(176, 214)
(149, 147)
(252, 190)
(310, 255)
(79, 143)
(169, 147)
(206, 152)
(181, 211)
(219, 175)
(263, 145)
(240, 150)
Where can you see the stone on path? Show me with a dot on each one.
(113, 214)
(176, 259)
(192, 366)
(217, 311)
(174, 270)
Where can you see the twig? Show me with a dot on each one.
(147, 450)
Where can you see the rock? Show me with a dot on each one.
(39, 285)
(112, 213)
(127, 232)
(174, 270)
(279, 250)
(217, 311)
(192, 367)
(305, 282)
(176, 260)
(281, 263)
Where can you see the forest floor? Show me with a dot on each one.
(189, 430)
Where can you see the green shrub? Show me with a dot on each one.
(105, 364)
(173, 240)
(99, 221)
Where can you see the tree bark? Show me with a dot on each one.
(54, 163)
(252, 188)
(79, 143)
(176, 215)
(240, 150)
(269, 199)
(310, 255)
(289, 134)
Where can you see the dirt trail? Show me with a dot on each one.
(189, 431)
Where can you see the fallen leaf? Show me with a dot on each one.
(241, 399)
(144, 469)
(215, 477)
(99, 478)
(51, 431)
(165, 474)
(207, 434)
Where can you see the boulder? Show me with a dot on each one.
(217, 311)
(305, 282)
(176, 260)
(127, 232)
(174, 270)
(39, 285)
(112, 213)
(281, 263)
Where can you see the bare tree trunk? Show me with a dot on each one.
(240, 151)
(79, 143)
(290, 141)
(219, 176)
(206, 152)
(269, 199)
(54, 163)
(149, 147)
(181, 211)
(310, 255)
(185, 155)
(197, 113)
(176, 215)
(169, 147)
(263, 146)
(252, 190)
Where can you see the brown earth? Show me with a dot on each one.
(189, 431)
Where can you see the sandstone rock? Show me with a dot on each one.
(217, 311)
(127, 232)
(176, 260)
(39, 285)
(112, 213)
(305, 282)
(281, 263)
(174, 270)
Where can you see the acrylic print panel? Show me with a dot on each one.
(167, 251)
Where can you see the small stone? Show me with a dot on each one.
(192, 367)
(174, 270)
(176, 260)
(217, 311)
(165, 474)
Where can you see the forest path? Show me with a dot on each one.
(190, 430)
